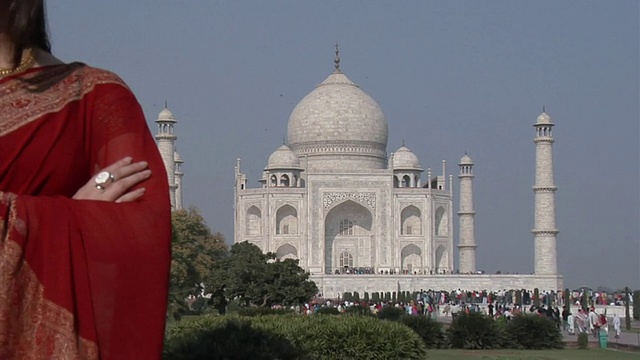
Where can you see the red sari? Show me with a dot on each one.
(79, 279)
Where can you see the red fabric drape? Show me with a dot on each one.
(78, 279)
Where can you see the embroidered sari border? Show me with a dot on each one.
(29, 97)
(31, 326)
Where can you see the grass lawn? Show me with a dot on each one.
(567, 354)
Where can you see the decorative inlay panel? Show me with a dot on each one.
(366, 198)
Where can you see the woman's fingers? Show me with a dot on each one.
(118, 164)
(131, 196)
(124, 175)
(122, 186)
(129, 169)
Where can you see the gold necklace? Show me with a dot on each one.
(24, 64)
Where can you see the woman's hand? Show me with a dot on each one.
(124, 176)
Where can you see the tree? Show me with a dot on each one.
(636, 304)
(194, 252)
(258, 279)
(626, 309)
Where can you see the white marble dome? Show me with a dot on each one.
(465, 160)
(177, 158)
(283, 158)
(405, 159)
(166, 115)
(339, 126)
(543, 119)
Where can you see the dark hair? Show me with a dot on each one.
(26, 26)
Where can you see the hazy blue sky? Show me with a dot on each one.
(450, 76)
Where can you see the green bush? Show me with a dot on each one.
(358, 310)
(534, 332)
(261, 311)
(233, 306)
(429, 330)
(583, 341)
(292, 337)
(228, 337)
(328, 310)
(474, 331)
(391, 313)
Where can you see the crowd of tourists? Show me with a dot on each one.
(498, 304)
(430, 305)
(348, 270)
(589, 322)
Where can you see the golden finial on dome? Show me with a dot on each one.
(337, 59)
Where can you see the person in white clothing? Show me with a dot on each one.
(571, 323)
(616, 325)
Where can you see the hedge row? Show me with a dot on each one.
(355, 335)
(292, 337)
(478, 331)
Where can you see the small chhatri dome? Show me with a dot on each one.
(166, 116)
(177, 158)
(543, 119)
(465, 160)
(283, 158)
(405, 159)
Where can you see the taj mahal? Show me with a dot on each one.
(361, 219)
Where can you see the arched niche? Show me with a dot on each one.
(286, 220)
(286, 251)
(254, 221)
(442, 259)
(441, 222)
(410, 221)
(411, 258)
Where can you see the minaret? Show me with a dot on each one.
(467, 244)
(544, 231)
(167, 145)
(178, 179)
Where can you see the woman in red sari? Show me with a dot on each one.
(84, 207)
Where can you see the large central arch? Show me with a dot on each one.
(347, 226)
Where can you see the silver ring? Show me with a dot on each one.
(103, 178)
